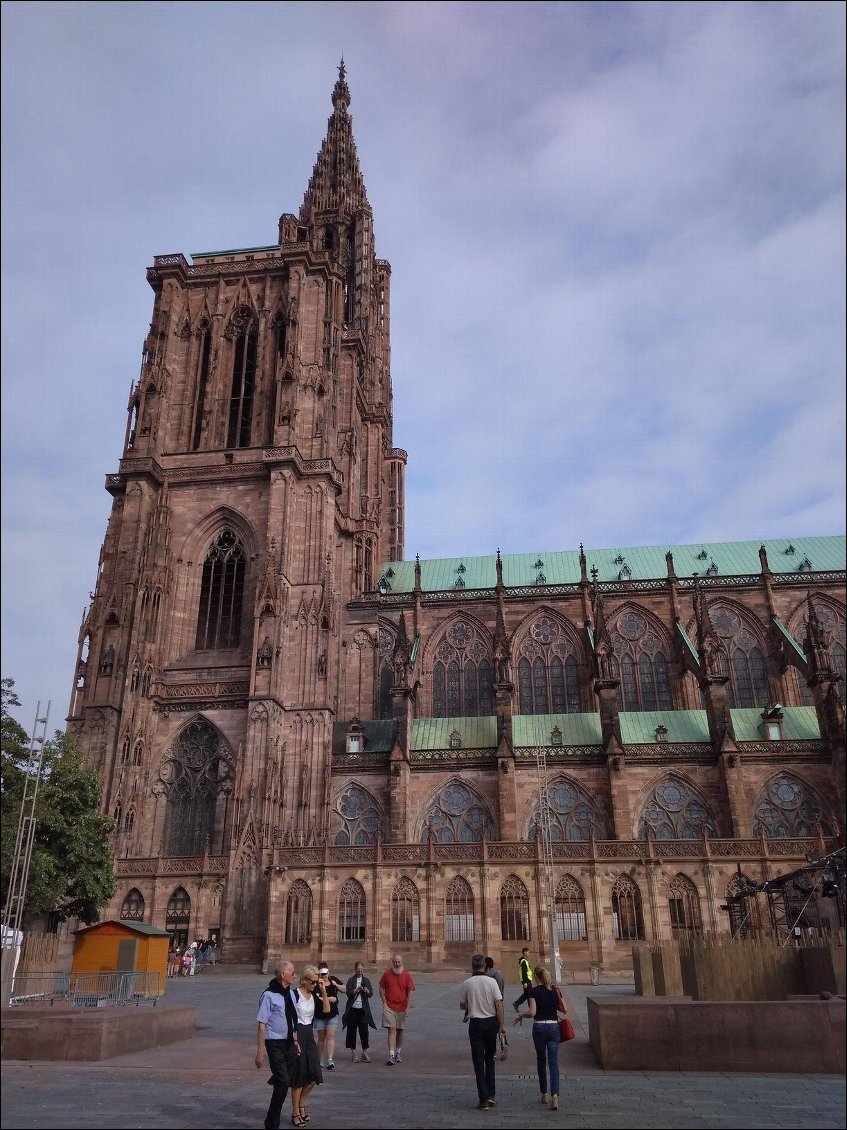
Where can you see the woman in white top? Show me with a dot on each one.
(308, 1070)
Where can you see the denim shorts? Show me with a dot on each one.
(320, 1023)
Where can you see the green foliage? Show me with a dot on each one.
(70, 872)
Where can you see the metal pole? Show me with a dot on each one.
(548, 883)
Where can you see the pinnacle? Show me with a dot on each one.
(336, 184)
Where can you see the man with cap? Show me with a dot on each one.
(326, 1024)
(480, 996)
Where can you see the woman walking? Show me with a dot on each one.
(357, 1016)
(543, 1004)
(307, 1072)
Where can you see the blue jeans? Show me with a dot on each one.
(483, 1040)
(546, 1039)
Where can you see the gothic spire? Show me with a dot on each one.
(336, 184)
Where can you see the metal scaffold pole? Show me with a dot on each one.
(13, 910)
(548, 881)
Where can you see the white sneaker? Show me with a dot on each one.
(330, 1065)
(397, 1058)
(355, 1057)
(365, 1057)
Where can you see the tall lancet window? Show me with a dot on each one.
(243, 329)
(221, 595)
(203, 359)
(350, 275)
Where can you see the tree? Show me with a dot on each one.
(70, 873)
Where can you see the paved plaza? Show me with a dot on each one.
(211, 1082)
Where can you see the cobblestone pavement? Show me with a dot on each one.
(211, 1082)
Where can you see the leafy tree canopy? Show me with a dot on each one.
(70, 873)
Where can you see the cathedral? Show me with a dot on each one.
(313, 746)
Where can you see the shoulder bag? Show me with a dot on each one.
(566, 1031)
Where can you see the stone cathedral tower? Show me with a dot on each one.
(257, 489)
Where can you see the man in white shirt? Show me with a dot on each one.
(481, 998)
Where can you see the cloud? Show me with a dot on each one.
(617, 246)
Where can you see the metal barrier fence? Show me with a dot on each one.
(86, 990)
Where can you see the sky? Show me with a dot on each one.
(617, 242)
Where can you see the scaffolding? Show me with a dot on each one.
(548, 881)
(13, 910)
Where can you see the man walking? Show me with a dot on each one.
(277, 1034)
(496, 974)
(524, 976)
(395, 990)
(480, 995)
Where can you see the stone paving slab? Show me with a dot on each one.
(211, 1083)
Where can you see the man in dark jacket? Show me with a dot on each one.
(277, 1034)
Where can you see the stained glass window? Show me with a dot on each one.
(133, 906)
(570, 910)
(574, 815)
(627, 917)
(787, 807)
(351, 912)
(221, 595)
(641, 664)
(548, 670)
(674, 811)
(456, 816)
(357, 818)
(684, 906)
(461, 674)
(194, 773)
(748, 673)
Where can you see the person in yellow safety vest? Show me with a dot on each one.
(524, 976)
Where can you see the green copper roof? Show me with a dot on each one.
(800, 723)
(232, 251)
(785, 555)
(535, 729)
(639, 728)
(474, 733)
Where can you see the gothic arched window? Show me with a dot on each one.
(570, 910)
(833, 621)
(221, 595)
(133, 906)
(573, 814)
(351, 912)
(357, 818)
(195, 771)
(204, 355)
(548, 670)
(641, 664)
(748, 672)
(461, 674)
(405, 912)
(138, 753)
(298, 916)
(385, 673)
(455, 816)
(458, 911)
(627, 918)
(179, 906)
(787, 807)
(684, 907)
(673, 811)
(129, 821)
(514, 911)
(243, 329)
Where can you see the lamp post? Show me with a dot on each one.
(548, 882)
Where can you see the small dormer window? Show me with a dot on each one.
(539, 564)
(702, 555)
(789, 550)
(541, 579)
(625, 574)
(389, 572)
(805, 566)
(383, 587)
(455, 740)
(459, 583)
(555, 736)
(772, 723)
(712, 571)
(355, 738)
(661, 733)
(460, 568)
(619, 560)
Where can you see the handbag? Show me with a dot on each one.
(504, 1046)
(566, 1031)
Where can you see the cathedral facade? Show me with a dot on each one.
(313, 746)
